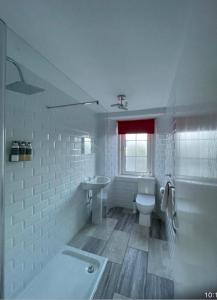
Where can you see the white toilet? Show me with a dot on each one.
(145, 200)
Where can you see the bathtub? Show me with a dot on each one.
(71, 274)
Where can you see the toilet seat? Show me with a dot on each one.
(145, 200)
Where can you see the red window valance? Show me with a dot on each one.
(136, 126)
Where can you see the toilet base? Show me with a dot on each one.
(145, 220)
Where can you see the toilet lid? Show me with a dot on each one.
(148, 200)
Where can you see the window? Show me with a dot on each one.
(135, 154)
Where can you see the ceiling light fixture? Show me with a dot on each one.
(122, 102)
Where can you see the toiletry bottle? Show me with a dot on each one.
(22, 151)
(29, 151)
(15, 149)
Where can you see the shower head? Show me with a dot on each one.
(21, 86)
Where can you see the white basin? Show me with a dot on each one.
(95, 183)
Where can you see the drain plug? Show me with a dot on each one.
(90, 269)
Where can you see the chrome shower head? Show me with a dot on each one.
(21, 86)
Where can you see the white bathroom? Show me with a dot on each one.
(108, 152)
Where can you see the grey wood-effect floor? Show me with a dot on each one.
(139, 263)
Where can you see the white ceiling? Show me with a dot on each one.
(107, 47)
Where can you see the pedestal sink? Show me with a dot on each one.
(96, 184)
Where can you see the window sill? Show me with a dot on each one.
(132, 178)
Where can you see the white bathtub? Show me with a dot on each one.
(66, 276)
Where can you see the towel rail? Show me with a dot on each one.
(175, 228)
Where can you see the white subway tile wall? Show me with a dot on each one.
(196, 149)
(165, 164)
(107, 155)
(111, 148)
(44, 205)
(124, 192)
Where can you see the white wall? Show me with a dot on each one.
(124, 191)
(44, 203)
(163, 163)
(107, 154)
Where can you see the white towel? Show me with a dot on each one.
(164, 202)
(171, 202)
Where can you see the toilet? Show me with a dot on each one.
(145, 200)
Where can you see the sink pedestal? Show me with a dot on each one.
(96, 207)
(96, 184)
